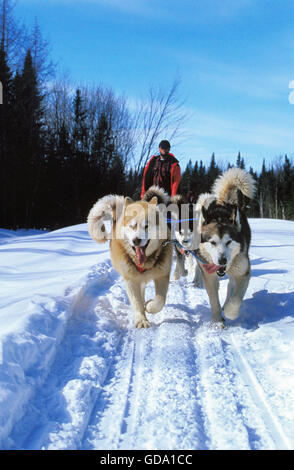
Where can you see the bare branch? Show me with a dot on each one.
(161, 116)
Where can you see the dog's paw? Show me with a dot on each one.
(231, 310)
(176, 276)
(217, 325)
(155, 305)
(142, 323)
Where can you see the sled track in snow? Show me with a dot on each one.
(58, 414)
(179, 384)
(147, 390)
(271, 421)
(139, 393)
(237, 414)
(111, 408)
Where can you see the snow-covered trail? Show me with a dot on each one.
(181, 384)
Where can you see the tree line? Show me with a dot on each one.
(274, 196)
(63, 146)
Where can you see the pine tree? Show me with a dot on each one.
(261, 190)
(78, 164)
(203, 183)
(185, 186)
(5, 139)
(103, 153)
(80, 133)
(29, 140)
(287, 189)
(194, 187)
(213, 172)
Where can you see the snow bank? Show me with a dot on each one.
(74, 375)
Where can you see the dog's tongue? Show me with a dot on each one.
(141, 256)
(211, 268)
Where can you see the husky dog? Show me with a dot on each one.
(187, 236)
(139, 230)
(225, 239)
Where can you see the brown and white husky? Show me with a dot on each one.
(137, 249)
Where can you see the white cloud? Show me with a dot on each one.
(259, 132)
(256, 139)
(258, 82)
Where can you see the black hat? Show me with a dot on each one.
(165, 145)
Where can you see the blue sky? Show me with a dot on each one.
(235, 59)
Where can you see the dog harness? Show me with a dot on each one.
(183, 251)
(191, 252)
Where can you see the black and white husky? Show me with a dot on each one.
(225, 239)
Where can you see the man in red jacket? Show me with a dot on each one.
(162, 170)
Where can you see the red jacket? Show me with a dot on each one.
(164, 173)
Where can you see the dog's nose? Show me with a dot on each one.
(137, 241)
(222, 261)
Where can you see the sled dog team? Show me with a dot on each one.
(214, 231)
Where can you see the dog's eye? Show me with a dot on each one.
(229, 242)
(213, 243)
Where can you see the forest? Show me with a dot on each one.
(62, 145)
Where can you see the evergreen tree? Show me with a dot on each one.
(29, 141)
(213, 172)
(287, 195)
(78, 165)
(103, 153)
(185, 186)
(195, 179)
(240, 162)
(5, 139)
(203, 184)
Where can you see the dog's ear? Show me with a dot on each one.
(204, 213)
(153, 200)
(128, 201)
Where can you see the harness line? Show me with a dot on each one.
(191, 252)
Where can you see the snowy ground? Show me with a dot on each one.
(75, 375)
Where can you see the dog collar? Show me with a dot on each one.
(141, 270)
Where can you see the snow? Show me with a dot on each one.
(75, 374)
